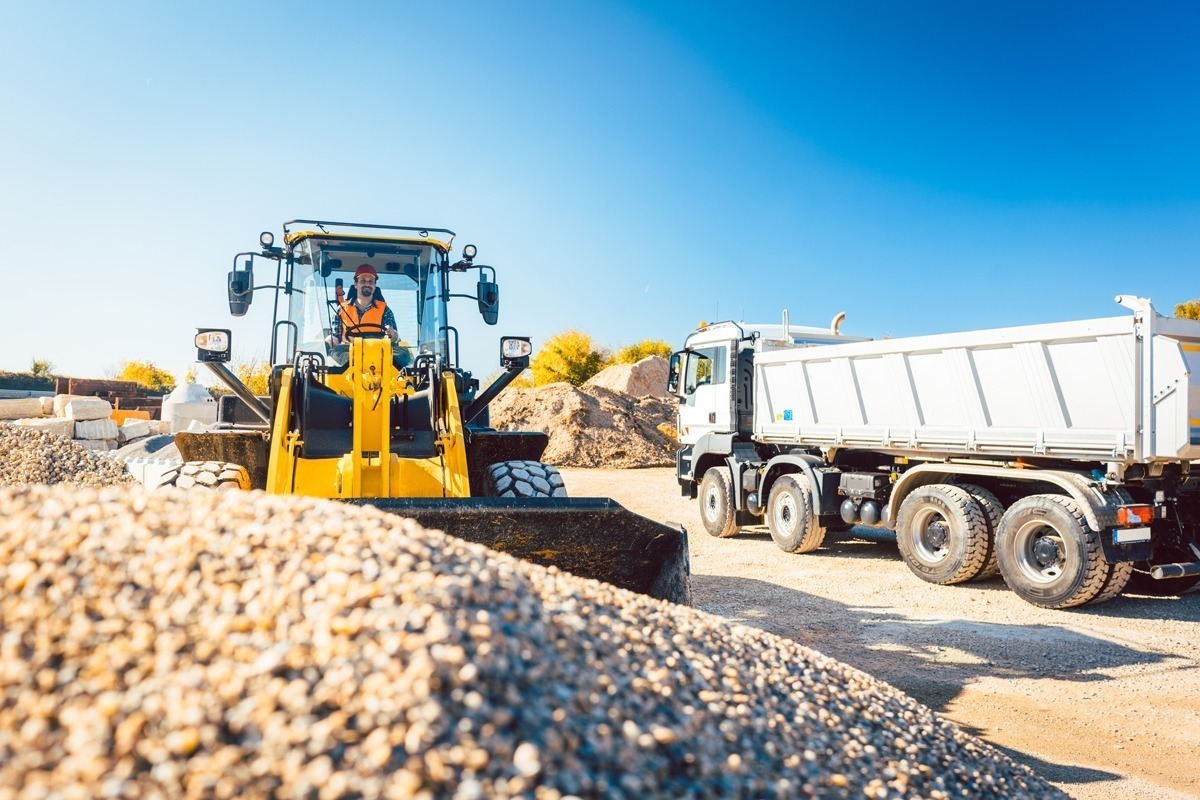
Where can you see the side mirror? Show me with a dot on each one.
(241, 290)
(328, 265)
(488, 293)
(675, 370)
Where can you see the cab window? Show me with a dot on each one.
(706, 366)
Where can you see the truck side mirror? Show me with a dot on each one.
(488, 293)
(241, 290)
(675, 370)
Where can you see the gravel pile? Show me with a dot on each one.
(591, 426)
(32, 456)
(202, 645)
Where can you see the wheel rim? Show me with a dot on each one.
(931, 536)
(712, 503)
(785, 514)
(1040, 552)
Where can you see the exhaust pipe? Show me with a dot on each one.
(837, 322)
(1164, 571)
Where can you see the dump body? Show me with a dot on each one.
(1111, 390)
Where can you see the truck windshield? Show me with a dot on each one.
(410, 275)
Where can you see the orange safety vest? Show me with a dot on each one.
(371, 320)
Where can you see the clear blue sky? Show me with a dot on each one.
(630, 169)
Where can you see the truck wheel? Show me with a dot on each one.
(993, 510)
(207, 475)
(1050, 557)
(716, 503)
(943, 534)
(524, 479)
(790, 516)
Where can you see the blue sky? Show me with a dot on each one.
(630, 169)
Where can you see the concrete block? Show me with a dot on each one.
(21, 408)
(96, 429)
(59, 427)
(133, 429)
(47, 406)
(160, 426)
(85, 408)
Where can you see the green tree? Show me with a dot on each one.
(1188, 310)
(570, 356)
(643, 349)
(147, 374)
(41, 368)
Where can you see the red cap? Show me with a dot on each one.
(366, 269)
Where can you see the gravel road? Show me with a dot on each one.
(1101, 701)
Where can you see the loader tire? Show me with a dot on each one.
(716, 503)
(524, 479)
(943, 534)
(1051, 558)
(201, 475)
(791, 517)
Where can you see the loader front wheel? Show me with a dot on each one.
(524, 479)
(201, 475)
(716, 503)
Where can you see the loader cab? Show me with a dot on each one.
(412, 273)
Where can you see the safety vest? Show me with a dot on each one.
(371, 320)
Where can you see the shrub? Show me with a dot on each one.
(1188, 310)
(643, 349)
(256, 374)
(570, 356)
(147, 374)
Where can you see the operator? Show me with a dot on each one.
(364, 311)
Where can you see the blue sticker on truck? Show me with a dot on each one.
(787, 415)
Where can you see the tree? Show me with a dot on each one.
(570, 356)
(643, 349)
(256, 374)
(147, 374)
(1188, 310)
(41, 368)
(190, 375)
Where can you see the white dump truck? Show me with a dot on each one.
(1057, 455)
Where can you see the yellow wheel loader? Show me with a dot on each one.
(381, 413)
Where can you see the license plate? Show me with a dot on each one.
(1127, 535)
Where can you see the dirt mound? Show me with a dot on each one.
(591, 426)
(180, 644)
(646, 377)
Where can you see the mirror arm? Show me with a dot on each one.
(489, 394)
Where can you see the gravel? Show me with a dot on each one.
(28, 455)
(242, 645)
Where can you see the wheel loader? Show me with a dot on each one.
(389, 418)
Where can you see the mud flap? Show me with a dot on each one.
(590, 537)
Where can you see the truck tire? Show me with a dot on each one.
(202, 475)
(1050, 557)
(790, 515)
(943, 534)
(523, 479)
(716, 503)
(993, 509)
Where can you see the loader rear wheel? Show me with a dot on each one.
(202, 475)
(943, 534)
(1051, 558)
(791, 517)
(524, 479)
(716, 503)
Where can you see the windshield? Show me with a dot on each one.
(410, 275)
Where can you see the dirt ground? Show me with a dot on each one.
(1102, 701)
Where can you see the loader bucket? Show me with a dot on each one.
(591, 537)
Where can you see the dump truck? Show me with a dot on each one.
(377, 409)
(1059, 456)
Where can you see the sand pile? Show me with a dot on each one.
(591, 426)
(645, 377)
(172, 644)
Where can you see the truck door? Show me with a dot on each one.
(707, 405)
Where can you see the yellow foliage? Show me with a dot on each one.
(147, 374)
(1188, 310)
(256, 374)
(643, 349)
(570, 356)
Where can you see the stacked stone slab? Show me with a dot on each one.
(85, 419)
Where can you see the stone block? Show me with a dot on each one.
(21, 408)
(96, 429)
(60, 402)
(47, 406)
(85, 408)
(134, 429)
(97, 444)
(59, 427)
